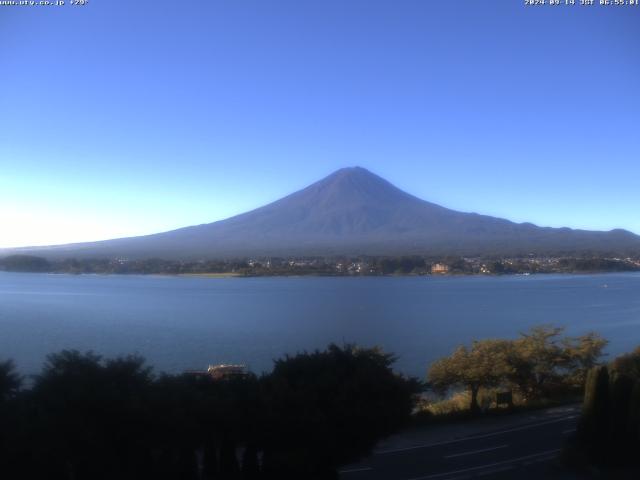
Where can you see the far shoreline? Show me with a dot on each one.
(224, 275)
(326, 267)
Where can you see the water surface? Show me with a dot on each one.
(180, 323)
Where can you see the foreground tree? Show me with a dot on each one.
(608, 433)
(542, 359)
(484, 365)
(628, 364)
(581, 355)
(89, 419)
(535, 364)
(593, 428)
(95, 419)
(326, 409)
(536, 358)
(10, 381)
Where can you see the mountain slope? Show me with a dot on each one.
(352, 211)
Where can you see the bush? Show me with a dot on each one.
(91, 418)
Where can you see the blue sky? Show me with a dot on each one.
(124, 118)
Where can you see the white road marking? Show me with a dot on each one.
(354, 470)
(475, 437)
(475, 451)
(490, 465)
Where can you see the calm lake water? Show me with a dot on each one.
(181, 323)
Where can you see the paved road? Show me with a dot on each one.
(517, 450)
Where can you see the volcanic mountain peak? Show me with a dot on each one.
(352, 184)
(349, 202)
(352, 212)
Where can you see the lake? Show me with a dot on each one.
(180, 323)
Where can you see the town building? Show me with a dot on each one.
(220, 372)
(439, 268)
(225, 372)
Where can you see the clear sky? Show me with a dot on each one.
(130, 117)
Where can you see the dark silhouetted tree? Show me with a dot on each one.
(628, 364)
(325, 409)
(593, 428)
(91, 417)
(10, 381)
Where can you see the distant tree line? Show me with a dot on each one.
(334, 266)
(596, 265)
(25, 263)
(91, 418)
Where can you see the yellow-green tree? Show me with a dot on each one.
(536, 358)
(582, 354)
(542, 358)
(628, 364)
(484, 365)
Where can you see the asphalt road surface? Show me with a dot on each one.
(522, 450)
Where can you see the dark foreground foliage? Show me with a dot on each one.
(89, 418)
(608, 435)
